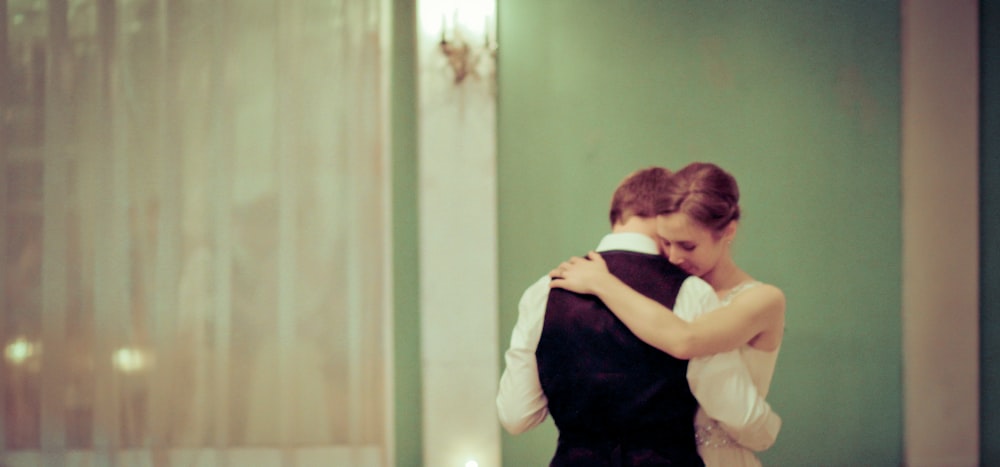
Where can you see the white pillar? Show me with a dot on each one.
(458, 239)
(940, 157)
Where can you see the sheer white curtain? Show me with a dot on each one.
(194, 233)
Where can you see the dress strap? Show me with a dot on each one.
(733, 292)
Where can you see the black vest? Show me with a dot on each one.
(615, 399)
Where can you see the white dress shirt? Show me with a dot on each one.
(720, 382)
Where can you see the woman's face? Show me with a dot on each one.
(689, 245)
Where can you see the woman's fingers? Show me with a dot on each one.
(570, 264)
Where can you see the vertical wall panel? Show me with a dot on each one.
(940, 166)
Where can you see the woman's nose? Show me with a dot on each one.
(674, 256)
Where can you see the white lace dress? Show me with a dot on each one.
(716, 447)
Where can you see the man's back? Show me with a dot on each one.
(615, 399)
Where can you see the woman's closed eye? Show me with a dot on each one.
(686, 246)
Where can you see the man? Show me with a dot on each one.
(615, 399)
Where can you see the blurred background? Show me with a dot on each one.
(193, 256)
(294, 232)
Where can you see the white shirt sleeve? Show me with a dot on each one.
(722, 384)
(521, 404)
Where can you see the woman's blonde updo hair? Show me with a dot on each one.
(703, 191)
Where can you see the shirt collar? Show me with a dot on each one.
(629, 241)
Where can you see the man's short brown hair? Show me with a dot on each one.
(636, 194)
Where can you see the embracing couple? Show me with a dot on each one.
(655, 349)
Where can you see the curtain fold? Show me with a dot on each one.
(193, 240)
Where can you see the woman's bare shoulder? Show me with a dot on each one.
(763, 297)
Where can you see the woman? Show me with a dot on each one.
(698, 217)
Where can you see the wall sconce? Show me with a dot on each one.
(466, 52)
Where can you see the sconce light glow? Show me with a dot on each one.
(471, 15)
(477, 17)
(19, 350)
(129, 360)
(472, 463)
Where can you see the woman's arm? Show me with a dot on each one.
(725, 329)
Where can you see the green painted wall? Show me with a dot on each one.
(989, 175)
(800, 100)
(406, 269)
